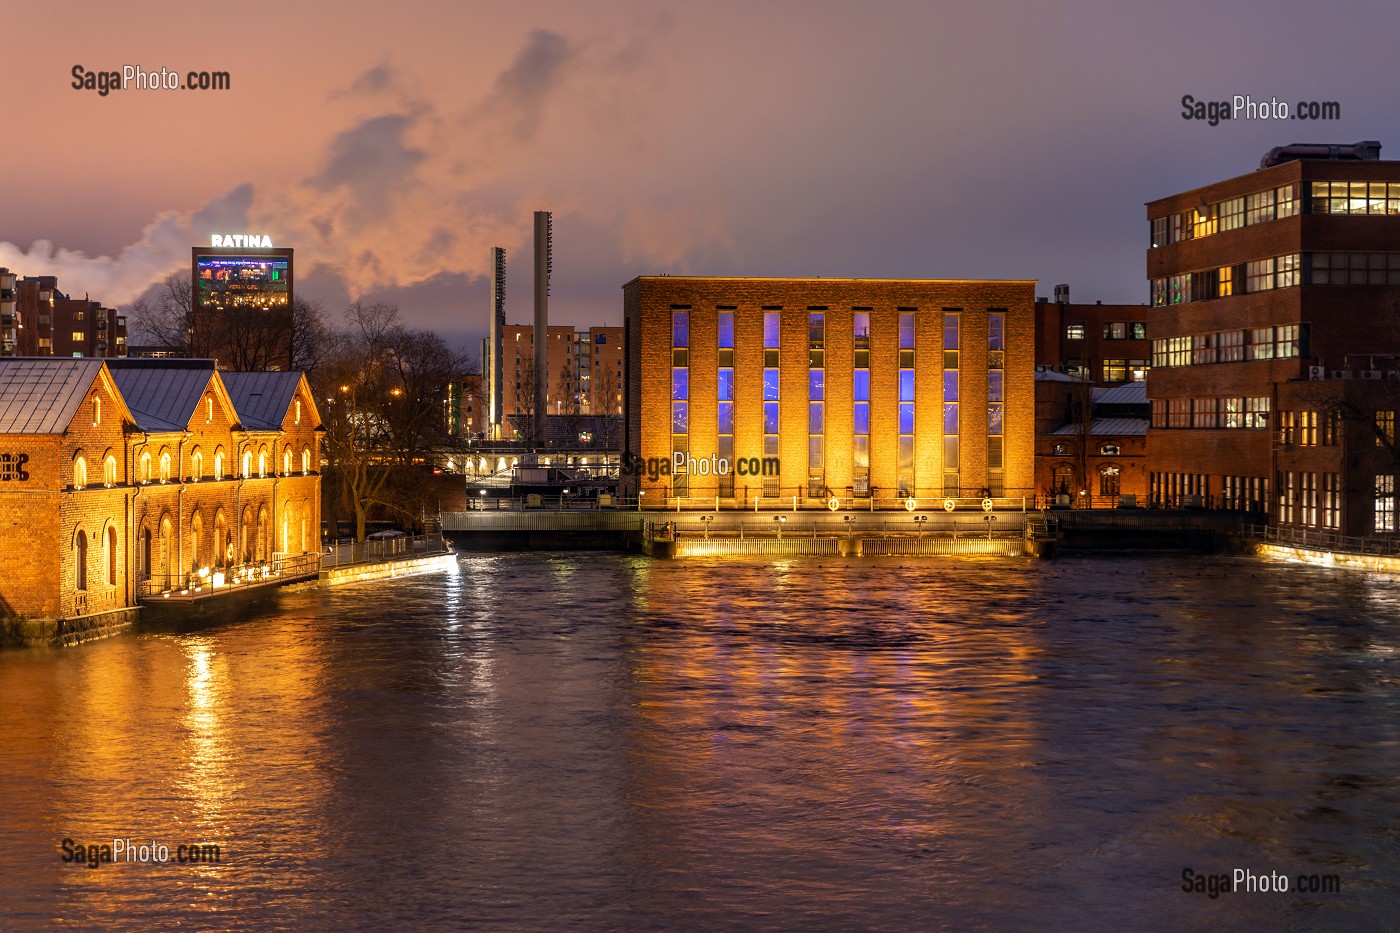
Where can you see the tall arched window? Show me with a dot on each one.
(96, 411)
(111, 555)
(219, 463)
(305, 460)
(208, 408)
(247, 463)
(165, 466)
(79, 472)
(80, 557)
(197, 465)
(262, 462)
(146, 467)
(287, 461)
(298, 406)
(109, 470)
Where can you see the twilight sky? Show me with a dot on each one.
(392, 144)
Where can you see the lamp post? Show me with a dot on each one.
(919, 523)
(990, 520)
(706, 519)
(780, 519)
(849, 526)
(640, 494)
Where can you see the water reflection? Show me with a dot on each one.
(547, 741)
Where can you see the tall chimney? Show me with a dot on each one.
(544, 245)
(495, 380)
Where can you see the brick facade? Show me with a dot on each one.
(649, 302)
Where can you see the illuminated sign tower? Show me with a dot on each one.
(241, 303)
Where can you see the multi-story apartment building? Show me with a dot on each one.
(585, 371)
(36, 319)
(1266, 289)
(822, 389)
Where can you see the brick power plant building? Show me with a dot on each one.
(1275, 333)
(857, 389)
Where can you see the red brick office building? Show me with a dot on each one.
(1268, 290)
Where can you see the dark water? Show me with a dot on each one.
(602, 742)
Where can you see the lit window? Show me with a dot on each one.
(109, 470)
(96, 411)
(1074, 331)
(165, 467)
(208, 408)
(287, 461)
(218, 464)
(197, 465)
(247, 464)
(262, 463)
(145, 468)
(298, 411)
(79, 472)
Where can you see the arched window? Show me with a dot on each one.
(287, 461)
(1062, 478)
(146, 467)
(197, 465)
(247, 463)
(1109, 481)
(111, 555)
(219, 463)
(208, 408)
(80, 560)
(305, 460)
(165, 466)
(262, 462)
(298, 408)
(109, 470)
(79, 472)
(96, 411)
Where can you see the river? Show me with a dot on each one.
(601, 742)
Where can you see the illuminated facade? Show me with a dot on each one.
(241, 307)
(1271, 292)
(585, 372)
(857, 389)
(133, 478)
(36, 319)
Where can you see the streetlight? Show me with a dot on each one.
(919, 523)
(640, 494)
(990, 520)
(707, 519)
(781, 520)
(849, 526)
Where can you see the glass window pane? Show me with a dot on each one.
(770, 417)
(994, 331)
(862, 419)
(680, 328)
(950, 418)
(815, 419)
(816, 384)
(906, 385)
(862, 385)
(680, 383)
(994, 386)
(994, 418)
(771, 330)
(726, 328)
(950, 385)
(950, 331)
(726, 384)
(906, 330)
(770, 385)
(726, 417)
(906, 417)
(680, 417)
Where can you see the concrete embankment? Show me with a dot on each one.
(1378, 563)
(385, 570)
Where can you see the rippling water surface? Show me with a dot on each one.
(606, 742)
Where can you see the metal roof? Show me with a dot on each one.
(162, 394)
(41, 396)
(1049, 375)
(1129, 393)
(262, 399)
(1108, 427)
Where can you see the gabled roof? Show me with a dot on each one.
(1129, 393)
(262, 399)
(40, 395)
(162, 394)
(1108, 427)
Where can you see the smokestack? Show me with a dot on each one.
(495, 380)
(544, 258)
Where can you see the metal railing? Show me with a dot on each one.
(799, 503)
(213, 580)
(1322, 540)
(988, 526)
(345, 553)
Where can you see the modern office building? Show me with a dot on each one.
(853, 389)
(36, 319)
(241, 305)
(1267, 289)
(125, 479)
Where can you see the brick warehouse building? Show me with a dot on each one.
(126, 478)
(860, 388)
(1261, 284)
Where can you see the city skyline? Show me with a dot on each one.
(738, 140)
